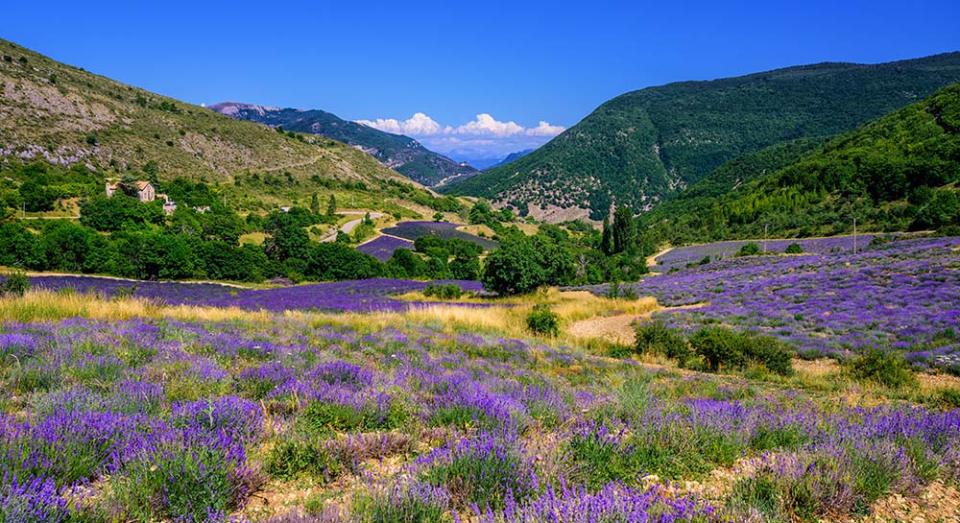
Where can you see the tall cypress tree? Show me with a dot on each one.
(332, 206)
(624, 230)
(315, 204)
(606, 240)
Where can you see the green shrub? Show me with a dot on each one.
(769, 352)
(656, 338)
(794, 248)
(15, 284)
(300, 456)
(443, 291)
(884, 367)
(723, 348)
(749, 249)
(322, 418)
(541, 320)
(720, 348)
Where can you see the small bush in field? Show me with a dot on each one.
(723, 348)
(542, 320)
(656, 338)
(794, 248)
(16, 284)
(887, 368)
(301, 456)
(750, 249)
(322, 418)
(444, 291)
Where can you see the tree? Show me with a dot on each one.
(404, 263)
(624, 235)
(18, 246)
(334, 261)
(482, 213)
(332, 206)
(287, 239)
(438, 216)
(37, 196)
(465, 268)
(113, 214)
(66, 246)
(606, 238)
(315, 204)
(514, 268)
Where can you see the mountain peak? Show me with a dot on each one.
(235, 108)
(401, 153)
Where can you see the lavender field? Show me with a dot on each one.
(680, 257)
(901, 295)
(177, 421)
(349, 419)
(446, 230)
(345, 296)
(382, 247)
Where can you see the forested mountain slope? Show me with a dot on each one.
(641, 147)
(895, 173)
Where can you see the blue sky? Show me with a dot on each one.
(519, 63)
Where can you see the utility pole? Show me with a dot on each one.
(854, 234)
(765, 237)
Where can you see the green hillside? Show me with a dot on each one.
(64, 115)
(643, 146)
(895, 173)
(401, 153)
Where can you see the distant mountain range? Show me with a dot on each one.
(401, 153)
(512, 157)
(643, 147)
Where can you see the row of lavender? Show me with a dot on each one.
(345, 296)
(903, 295)
(680, 257)
(183, 421)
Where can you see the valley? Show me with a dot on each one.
(710, 301)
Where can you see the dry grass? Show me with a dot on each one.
(506, 317)
(43, 305)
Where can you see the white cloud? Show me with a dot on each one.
(486, 124)
(417, 125)
(545, 129)
(483, 137)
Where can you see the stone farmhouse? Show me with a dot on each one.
(144, 191)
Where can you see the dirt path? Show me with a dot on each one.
(618, 328)
(938, 502)
(652, 259)
(348, 227)
(615, 329)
